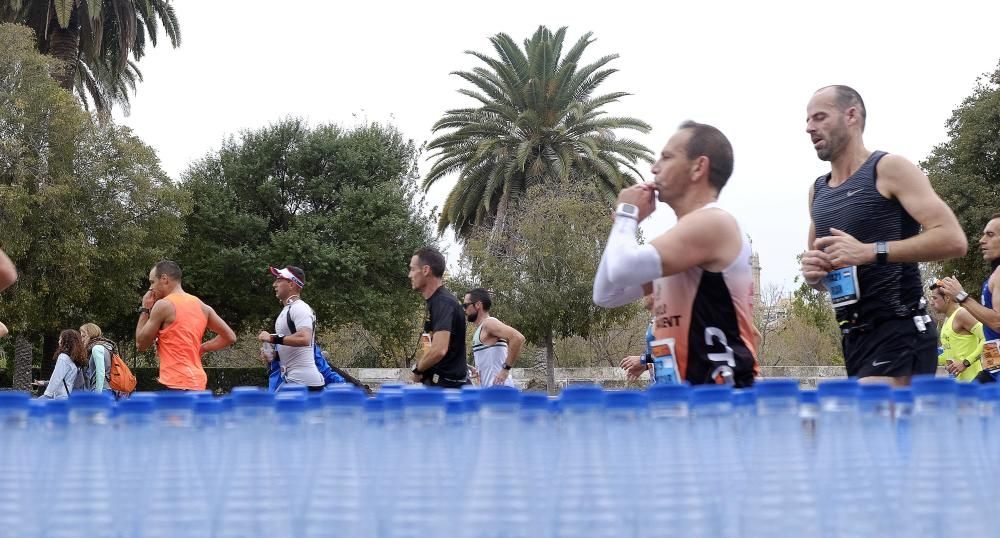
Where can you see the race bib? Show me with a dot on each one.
(991, 356)
(664, 366)
(843, 286)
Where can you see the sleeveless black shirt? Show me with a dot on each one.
(857, 207)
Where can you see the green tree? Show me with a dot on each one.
(98, 42)
(543, 282)
(538, 121)
(343, 204)
(86, 208)
(965, 171)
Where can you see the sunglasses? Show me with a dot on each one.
(467, 305)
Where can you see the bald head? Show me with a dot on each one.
(845, 97)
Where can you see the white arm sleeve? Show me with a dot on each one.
(625, 266)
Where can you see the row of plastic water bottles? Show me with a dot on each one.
(845, 460)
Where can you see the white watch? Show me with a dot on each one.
(627, 210)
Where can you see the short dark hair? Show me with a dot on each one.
(994, 216)
(432, 258)
(710, 142)
(169, 268)
(848, 97)
(298, 272)
(480, 295)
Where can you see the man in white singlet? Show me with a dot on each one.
(495, 345)
(699, 271)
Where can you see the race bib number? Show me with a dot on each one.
(991, 356)
(843, 286)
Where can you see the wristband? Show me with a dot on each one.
(416, 371)
(881, 253)
(278, 339)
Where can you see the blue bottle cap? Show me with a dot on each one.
(989, 392)
(500, 395)
(352, 397)
(375, 405)
(876, 392)
(711, 394)
(777, 388)
(142, 406)
(902, 395)
(253, 398)
(626, 399)
(809, 397)
(744, 397)
(669, 393)
(423, 398)
(14, 399)
(584, 395)
(290, 405)
(82, 399)
(928, 385)
(534, 400)
(205, 406)
(968, 390)
(838, 388)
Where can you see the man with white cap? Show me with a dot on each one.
(293, 337)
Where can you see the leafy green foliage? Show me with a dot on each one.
(86, 209)
(965, 171)
(541, 270)
(342, 204)
(538, 121)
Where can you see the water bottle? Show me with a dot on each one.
(496, 499)
(15, 467)
(902, 413)
(627, 415)
(780, 497)
(338, 500)
(423, 482)
(175, 498)
(81, 491)
(585, 502)
(744, 416)
(845, 470)
(135, 443)
(877, 429)
(942, 496)
(538, 451)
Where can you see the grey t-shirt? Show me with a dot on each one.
(297, 363)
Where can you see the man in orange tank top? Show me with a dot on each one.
(698, 272)
(176, 321)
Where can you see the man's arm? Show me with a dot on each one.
(224, 335)
(8, 273)
(514, 338)
(98, 355)
(437, 351)
(990, 317)
(149, 324)
(815, 263)
(3, 330)
(942, 237)
(709, 238)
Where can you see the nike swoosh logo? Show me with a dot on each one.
(852, 193)
(880, 363)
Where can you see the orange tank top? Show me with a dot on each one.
(179, 346)
(710, 317)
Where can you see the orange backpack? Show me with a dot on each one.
(122, 379)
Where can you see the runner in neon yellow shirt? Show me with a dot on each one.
(961, 337)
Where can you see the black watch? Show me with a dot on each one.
(142, 310)
(417, 372)
(961, 297)
(507, 366)
(966, 363)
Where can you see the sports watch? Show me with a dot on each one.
(961, 297)
(627, 210)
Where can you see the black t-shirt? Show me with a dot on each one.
(444, 313)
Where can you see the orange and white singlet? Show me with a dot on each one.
(710, 317)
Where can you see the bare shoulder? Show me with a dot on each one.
(898, 170)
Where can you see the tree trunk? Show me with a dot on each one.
(64, 45)
(22, 362)
(550, 365)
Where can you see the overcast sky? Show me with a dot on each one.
(746, 67)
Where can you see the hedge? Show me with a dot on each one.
(219, 379)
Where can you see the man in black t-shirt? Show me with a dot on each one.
(443, 362)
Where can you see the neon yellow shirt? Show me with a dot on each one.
(959, 347)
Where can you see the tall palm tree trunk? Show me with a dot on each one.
(22, 362)
(64, 45)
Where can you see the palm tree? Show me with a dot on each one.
(98, 42)
(538, 121)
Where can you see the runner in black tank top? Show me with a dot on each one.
(865, 241)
